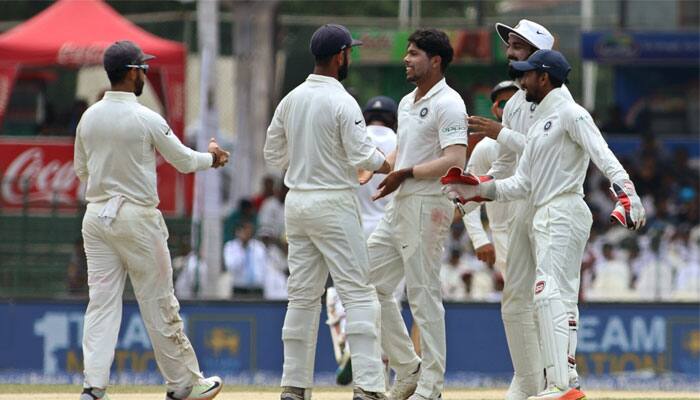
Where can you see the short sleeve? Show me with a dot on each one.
(451, 121)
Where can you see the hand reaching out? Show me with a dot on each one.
(220, 156)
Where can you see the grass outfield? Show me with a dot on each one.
(70, 392)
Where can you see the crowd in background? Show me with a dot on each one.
(659, 263)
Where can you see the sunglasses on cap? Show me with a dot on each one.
(143, 67)
(502, 104)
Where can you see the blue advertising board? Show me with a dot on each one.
(621, 47)
(242, 341)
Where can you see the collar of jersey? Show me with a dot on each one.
(550, 102)
(123, 96)
(433, 90)
(324, 79)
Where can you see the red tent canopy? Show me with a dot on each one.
(76, 33)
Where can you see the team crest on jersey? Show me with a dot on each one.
(547, 125)
(532, 107)
(423, 112)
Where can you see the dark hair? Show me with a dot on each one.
(433, 42)
(117, 76)
(556, 82)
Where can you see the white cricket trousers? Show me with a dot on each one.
(408, 242)
(324, 232)
(135, 244)
(500, 244)
(560, 229)
(517, 306)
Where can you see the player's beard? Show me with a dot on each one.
(529, 96)
(532, 96)
(139, 86)
(343, 70)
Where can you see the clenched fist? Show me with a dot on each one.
(219, 155)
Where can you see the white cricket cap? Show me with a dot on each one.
(531, 32)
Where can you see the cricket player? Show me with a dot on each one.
(550, 174)
(482, 156)
(408, 241)
(380, 117)
(318, 134)
(125, 234)
(517, 307)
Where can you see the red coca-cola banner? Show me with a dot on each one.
(37, 174)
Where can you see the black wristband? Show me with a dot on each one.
(214, 158)
(410, 173)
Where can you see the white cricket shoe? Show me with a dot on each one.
(205, 389)
(94, 394)
(404, 386)
(554, 393)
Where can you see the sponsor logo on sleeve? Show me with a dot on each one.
(453, 130)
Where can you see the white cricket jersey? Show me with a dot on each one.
(559, 147)
(426, 127)
(318, 134)
(518, 117)
(115, 150)
(372, 211)
(484, 154)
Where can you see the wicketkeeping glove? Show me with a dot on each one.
(461, 187)
(628, 210)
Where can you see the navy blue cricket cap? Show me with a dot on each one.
(550, 61)
(380, 104)
(330, 39)
(123, 53)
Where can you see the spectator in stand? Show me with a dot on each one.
(76, 273)
(457, 239)
(271, 214)
(244, 213)
(245, 259)
(77, 110)
(616, 122)
(612, 277)
(687, 286)
(276, 267)
(190, 276)
(454, 278)
(267, 190)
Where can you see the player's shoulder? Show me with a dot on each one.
(151, 120)
(449, 97)
(149, 115)
(406, 100)
(572, 111)
(93, 110)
